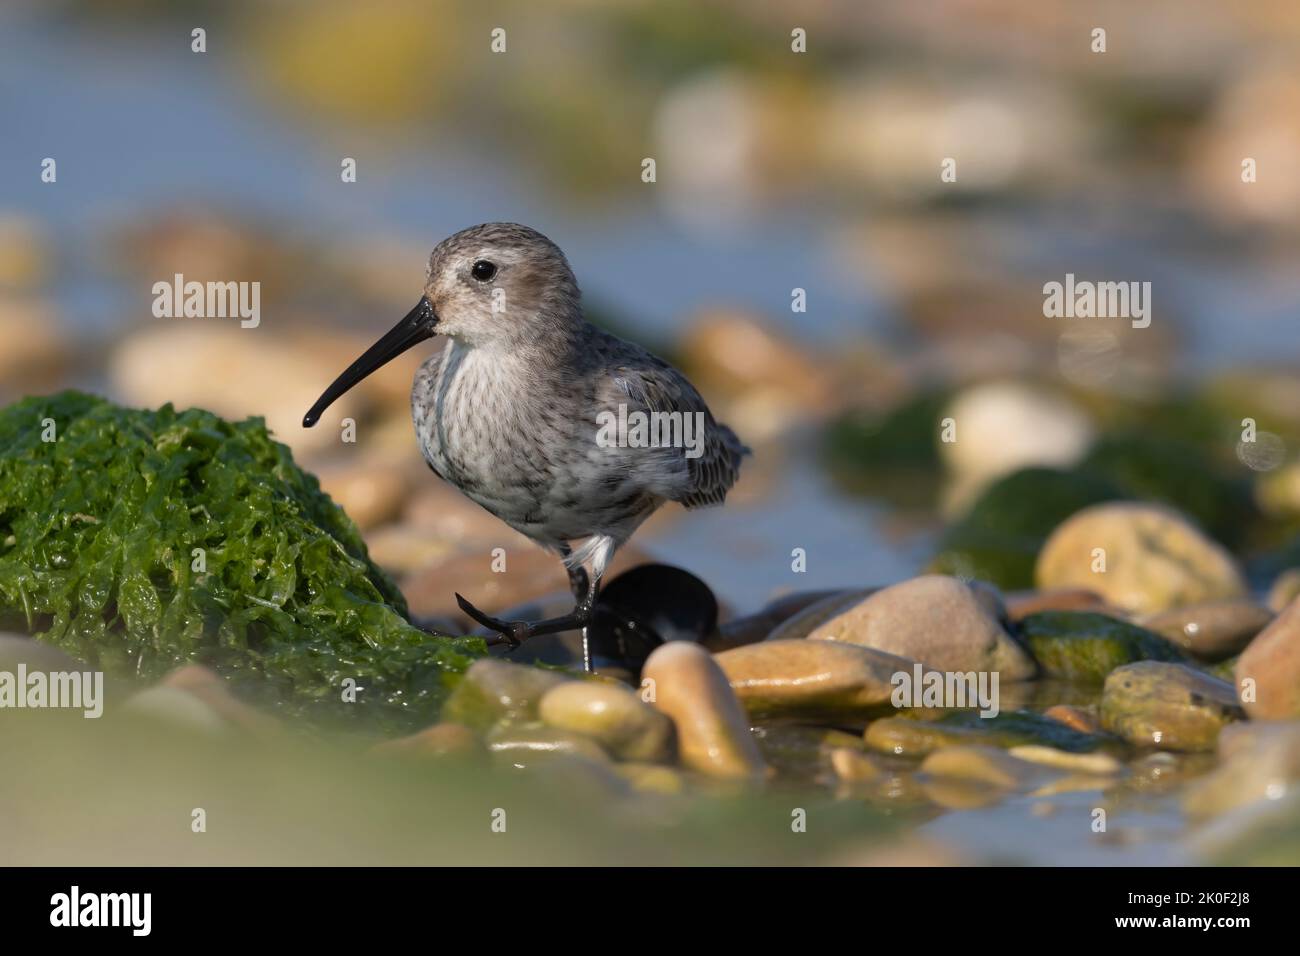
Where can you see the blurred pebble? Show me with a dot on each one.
(1272, 661)
(1155, 558)
(1212, 630)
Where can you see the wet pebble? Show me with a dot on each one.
(790, 677)
(1213, 630)
(1169, 706)
(613, 716)
(519, 742)
(1098, 764)
(712, 729)
(980, 764)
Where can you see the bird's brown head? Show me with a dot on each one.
(496, 285)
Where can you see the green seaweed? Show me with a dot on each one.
(1082, 645)
(141, 540)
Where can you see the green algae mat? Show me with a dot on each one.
(141, 540)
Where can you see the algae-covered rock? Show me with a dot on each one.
(141, 540)
(1169, 706)
(912, 737)
(494, 692)
(1081, 645)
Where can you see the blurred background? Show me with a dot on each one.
(776, 171)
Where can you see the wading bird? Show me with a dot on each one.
(515, 410)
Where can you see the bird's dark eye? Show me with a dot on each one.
(483, 270)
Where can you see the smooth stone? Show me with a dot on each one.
(193, 362)
(791, 677)
(954, 793)
(371, 491)
(509, 741)
(736, 354)
(799, 626)
(712, 728)
(913, 737)
(1259, 760)
(1006, 425)
(1169, 706)
(1284, 590)
(493, 691)
(757, 626)
(1097, 764)
(35, 351)
(941, 621)
(981, 764)
(1156, 558)
(1211, 631)
(1083, 646)
(613, 716)
(441, 740)
(1272, 661)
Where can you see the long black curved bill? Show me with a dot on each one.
(418, 325)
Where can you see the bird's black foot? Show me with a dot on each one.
(514, 633)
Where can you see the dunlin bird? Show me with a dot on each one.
(526, 409)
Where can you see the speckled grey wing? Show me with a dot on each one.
(655, 386)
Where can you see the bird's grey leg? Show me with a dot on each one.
(513, 633)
